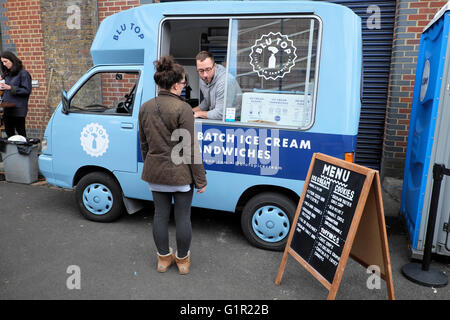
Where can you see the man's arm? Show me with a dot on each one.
(205, 104)
(216, 112)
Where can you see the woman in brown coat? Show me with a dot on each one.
(172, 168)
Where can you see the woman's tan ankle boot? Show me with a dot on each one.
(183, 263)
(165, 261)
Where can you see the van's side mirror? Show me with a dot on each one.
(65, 102)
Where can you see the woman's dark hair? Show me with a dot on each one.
(167, 72)
(16, 64)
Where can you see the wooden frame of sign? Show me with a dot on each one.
(340, 214)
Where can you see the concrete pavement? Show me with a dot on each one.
(42, 236)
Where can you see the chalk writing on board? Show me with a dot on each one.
(325, 216)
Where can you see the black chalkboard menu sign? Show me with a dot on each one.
(325, 217)
(340, 215)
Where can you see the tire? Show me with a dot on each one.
(266, 220)
(99, 197)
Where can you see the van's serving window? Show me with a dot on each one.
(271, 65)
(106, 93)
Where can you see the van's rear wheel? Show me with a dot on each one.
(99, 197)
(266, 220)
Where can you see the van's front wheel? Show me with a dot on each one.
(266, 220)
(99, 197)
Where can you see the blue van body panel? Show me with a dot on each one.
(46, 168)
(258, 155)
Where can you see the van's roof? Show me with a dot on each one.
(123, 38)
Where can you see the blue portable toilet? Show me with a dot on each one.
(429, 137)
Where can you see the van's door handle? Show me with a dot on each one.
(126, 125)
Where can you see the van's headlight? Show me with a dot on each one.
(44, 144)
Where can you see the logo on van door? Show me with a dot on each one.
(273, 55)
(94, 139)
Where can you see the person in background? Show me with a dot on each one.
(16, 89)
(212, 87)
(168, 179)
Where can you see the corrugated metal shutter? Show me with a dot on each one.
(377, 46)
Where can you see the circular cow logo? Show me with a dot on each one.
(94, 139)
(273, 55)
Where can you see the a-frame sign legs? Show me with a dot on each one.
(282, 266)
(370, 246)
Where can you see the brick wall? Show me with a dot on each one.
(411, 18)
(22, 33)
(109, 7)
(68, 31)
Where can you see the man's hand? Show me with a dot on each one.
(201, 114)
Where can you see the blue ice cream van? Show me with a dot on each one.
(297, 66)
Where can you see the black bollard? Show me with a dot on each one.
(423, 274)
